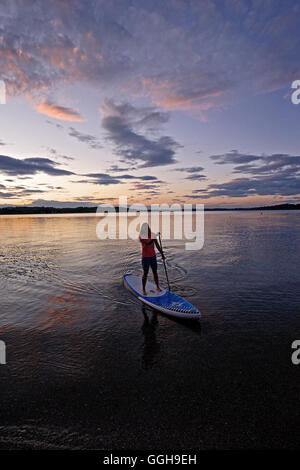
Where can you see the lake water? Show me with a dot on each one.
(89, 367)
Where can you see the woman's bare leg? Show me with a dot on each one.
(144, 280)
(156, 280)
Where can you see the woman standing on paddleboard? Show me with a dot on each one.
(149, 241)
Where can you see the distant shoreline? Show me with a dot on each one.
(24, 210)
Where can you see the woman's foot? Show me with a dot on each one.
(158, 289)
(144, 292)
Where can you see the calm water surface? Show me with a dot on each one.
(89, 367)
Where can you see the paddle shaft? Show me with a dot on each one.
(162, 252)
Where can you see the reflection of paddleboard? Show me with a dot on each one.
(164, 301)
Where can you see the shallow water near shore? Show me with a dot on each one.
(89, 367)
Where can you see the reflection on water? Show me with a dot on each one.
(64, 310)
(93, 365)
(150, 346)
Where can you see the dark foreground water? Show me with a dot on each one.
(88, 367)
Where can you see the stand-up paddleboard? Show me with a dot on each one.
(164, 301)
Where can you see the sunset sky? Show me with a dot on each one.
(176, 101)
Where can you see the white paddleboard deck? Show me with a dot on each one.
(164, 301)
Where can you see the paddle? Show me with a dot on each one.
(164, 261)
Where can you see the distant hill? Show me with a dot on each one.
(279, 207)
(23, 210)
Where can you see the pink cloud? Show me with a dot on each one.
(59, 112)
(171, 94)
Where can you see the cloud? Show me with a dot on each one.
(106, 179)
(17, 192)
(190, 169)
(244, 187)
(4, 195)
(278, 163)
(103, 179)
(30, 166)
(121, 122)
(234, 157)
(59, 126)
(90, 140)
(283, 164)
(187, 92)
(145, 186)
(196, 177)
(117, 168)
(59, 112)
(263, 175)
(143, 178)
(193, 173)
(192, 196)
(181, 54)
(54, 152)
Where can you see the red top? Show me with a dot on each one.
(147, 250)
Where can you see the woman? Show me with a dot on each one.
(148, 240)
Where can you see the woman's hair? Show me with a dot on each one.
(145, 231)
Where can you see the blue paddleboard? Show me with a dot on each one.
(164, 301)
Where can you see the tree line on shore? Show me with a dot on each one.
(23, 210)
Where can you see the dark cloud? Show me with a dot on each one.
(106, 179)
(100, 178)
(190, 169)
(4, 195)
(138, 186)
(59, 126)
(54, 153)
(143, 178)
(30, 166)
(269, 175)
(234, 157)
(193, 173)
(18, 192)
(181, 54)
(263, 186)
(149, 178)
(192, 196)
(274, 164)
(196, 177)
(121, 121)
(90, 140)
(51, 187)
(118, 169)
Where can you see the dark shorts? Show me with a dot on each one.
(149, 262)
